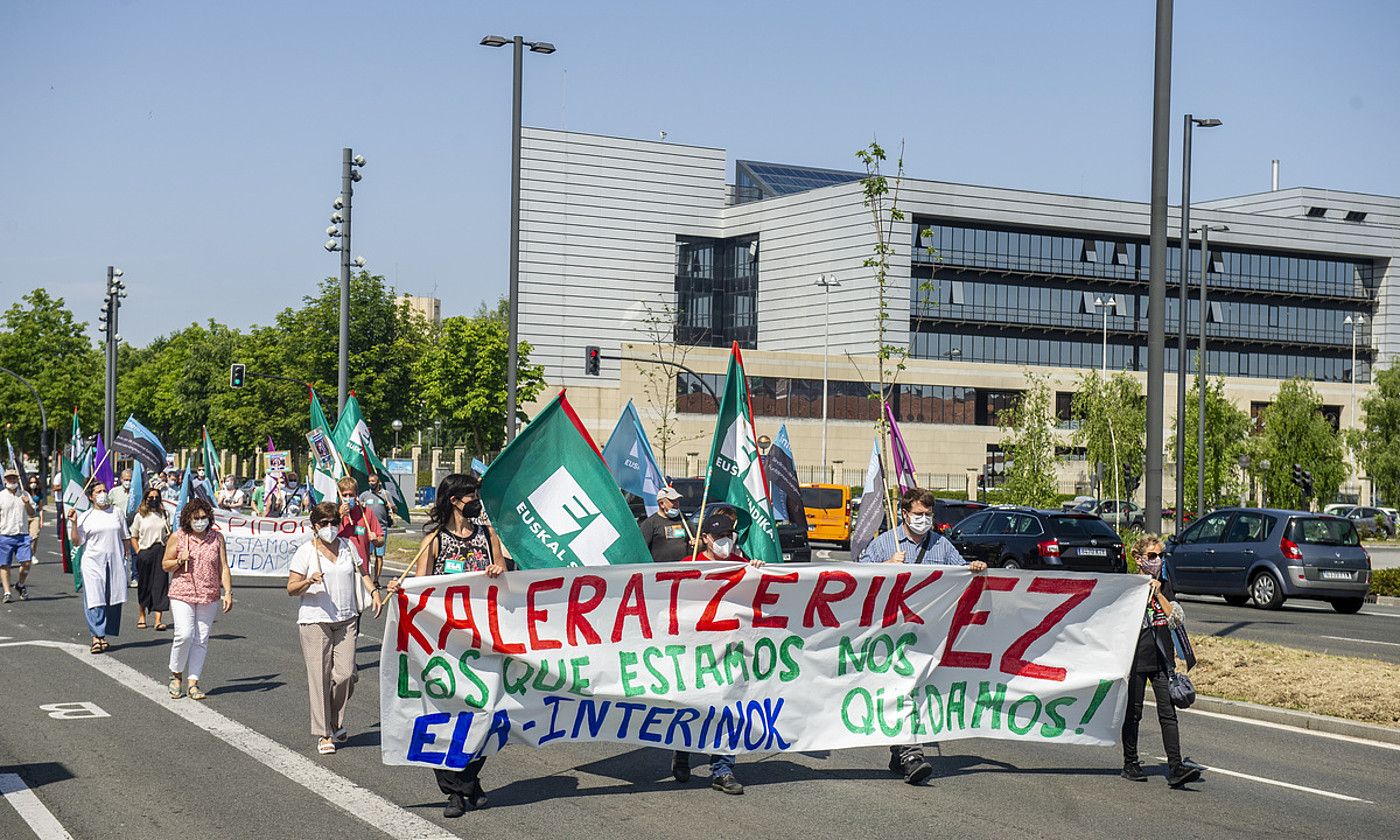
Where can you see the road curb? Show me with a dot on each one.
(1383, 600)
(1302, 720)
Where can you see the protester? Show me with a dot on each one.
(16, 544)
(716, 543)
(1152, 662)
(275, 502)
(171, 491)
(230, 497)
(297, 499)
(457, 541)
(259, 494)
(36, 526)
(197, 560)
(121, 494)
(915, 540)
(102, 533)
(325, 572)
(664, 531)
(149, 530)
(377, 500)
(360, 527)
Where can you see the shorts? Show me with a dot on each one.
(15, 548)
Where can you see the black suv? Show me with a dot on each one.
(947, 513)
(792, 539)
(1025, 538)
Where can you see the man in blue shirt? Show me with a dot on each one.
(915, 540)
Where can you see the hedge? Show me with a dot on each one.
(1385, 582)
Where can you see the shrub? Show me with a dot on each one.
(1385, 582)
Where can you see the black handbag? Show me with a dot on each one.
(1179, 685)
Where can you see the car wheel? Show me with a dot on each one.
(1266, 591)
(1237, 600)
(1348, 606)
(1010, 563)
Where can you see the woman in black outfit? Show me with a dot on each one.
(1150, 664)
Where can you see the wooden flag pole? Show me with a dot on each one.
(411, 566)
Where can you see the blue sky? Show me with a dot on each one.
(197, 145)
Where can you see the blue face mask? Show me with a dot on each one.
(673, 513)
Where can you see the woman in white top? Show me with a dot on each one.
(325, 572)
(101, 531)
(149, 530)
(230, 498)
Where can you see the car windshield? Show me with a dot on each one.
(823, 498)
(1081, 528)
(1324, 532)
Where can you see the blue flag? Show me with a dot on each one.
(138, 488)
(783, 488)
(630, 460)
(141, 444)
(478, 467)
(186, 493)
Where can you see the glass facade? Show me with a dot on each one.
(1038, 298)
(717, 291)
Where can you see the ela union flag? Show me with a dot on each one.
(735, 473)
(552, 500)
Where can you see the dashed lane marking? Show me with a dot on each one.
(1276, 783)
(40, 819)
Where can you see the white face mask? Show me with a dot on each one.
(199, 525)
(326, 533)
(12, 486)
(101, 499)
(722, 547)
(126, 484)
(920, 523)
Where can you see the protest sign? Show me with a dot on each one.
(276, 462)
(261, 545)
(724, 657)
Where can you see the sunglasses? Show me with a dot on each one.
(1150, 555)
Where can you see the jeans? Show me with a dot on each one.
(193, 623)
(1166, 716)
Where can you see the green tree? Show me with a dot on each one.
(1110, 417)
(1029, 440)
(1227, 432)
(1376, 443)
(462, 380)
(43, 342)
(1294, 431)
(173, 384)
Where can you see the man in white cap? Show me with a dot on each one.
(16, 507)
(664, 531)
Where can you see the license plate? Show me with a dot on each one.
(1336, 575)
(787, 558)
(1093, 552)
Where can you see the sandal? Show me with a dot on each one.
(193, 692)
(161, 627)
(104, 644)
(325, 746)
(176, 687)
(341, 735)
(141, 625)
(96, 646)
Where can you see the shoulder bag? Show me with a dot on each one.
(1179, 686)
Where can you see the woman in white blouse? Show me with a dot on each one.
(101, 531)
(325, 573)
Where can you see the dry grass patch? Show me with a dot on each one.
(1273, 675)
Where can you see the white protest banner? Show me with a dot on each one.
(723, 657)
(260, 545)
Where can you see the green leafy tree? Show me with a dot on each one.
(1028, 429)
(1294, 431)
(1227, 432)
(1110, 417)
(462, 379)
(173, 384)
(1377, 443)
(42, 342)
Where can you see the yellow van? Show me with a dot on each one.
(828, 508)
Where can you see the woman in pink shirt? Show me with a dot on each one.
(197, 561)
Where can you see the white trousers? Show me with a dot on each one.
(192, 625)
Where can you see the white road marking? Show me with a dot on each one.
(335, 789)
(1363, 641)
(1277, 783)
(40, 819)
(1284, 727)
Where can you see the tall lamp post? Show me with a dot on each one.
(350, 165)
(1355, 322)
(513, 327)
(1203, 369)
(1183, 274)
(1105, 306)
(827, 284)
(116, 291)
(397, 426)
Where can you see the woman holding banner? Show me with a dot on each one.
(101, 531)
(148, 533)
(325, 572)
(197, 560)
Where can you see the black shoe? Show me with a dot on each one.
(916, 769)
(680, 768)
(1182, 775)
(456, 806)
(8, 597)
(1132, 771)
(23, 591)
(477, 798)
(896, 765)
(727, 784)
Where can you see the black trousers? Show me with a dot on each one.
(152, 581)
(463, 782)
(1166, 716)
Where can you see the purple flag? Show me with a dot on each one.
(104, 464)
(271, 447)
(903, 464)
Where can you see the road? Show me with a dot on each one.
(1384, 556)
(242, 763)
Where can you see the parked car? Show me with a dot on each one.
(1120, 513)
(1075, 502)
(1338, 509)
(1025, 538)
(1270, 555)
(792, 538)
(828, 509)
(1371, 521)
(949, 512)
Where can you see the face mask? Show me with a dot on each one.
(673, 513)
(350, 501)
(153, 501)
(199, 525)
(12, 486)
(101, 499)
(920, 523)
(472, 509)
(126, 484)
(228, 485)
(722, 547)
(327, 533)
(1150, 567)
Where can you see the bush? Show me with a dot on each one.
(1385, 582)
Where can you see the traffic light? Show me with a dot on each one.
(1307, 484)
(236, 373)
(592, 360)
(1298, 474)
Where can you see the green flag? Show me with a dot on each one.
(390, 483)
(211, 462)
(554, 503)
(75, 439)
(324, 464)
(735, 473)
(73, 483)
(352, 440)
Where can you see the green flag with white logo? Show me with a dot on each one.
(389, 483)
(74, 497)
(552, 500)
(352, 440)
(324, 464)
(735, 473)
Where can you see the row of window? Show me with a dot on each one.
(717, 291)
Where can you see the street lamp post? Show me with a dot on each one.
(1183, 276)
(116, 291)
(1355, 323)
(350, 164)
(827, 283)
(1203, 370)
(1244, 468)
(513, 327)
(1100, 304)
(397, 426)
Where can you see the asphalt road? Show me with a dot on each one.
(242, 763)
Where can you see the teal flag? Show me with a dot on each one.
(389, 483)
(352, 440)
(324, 462)
(735, 473)
(552, 500)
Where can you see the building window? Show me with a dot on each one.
(1064, 410)
(1088, 253)
(717, 291)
